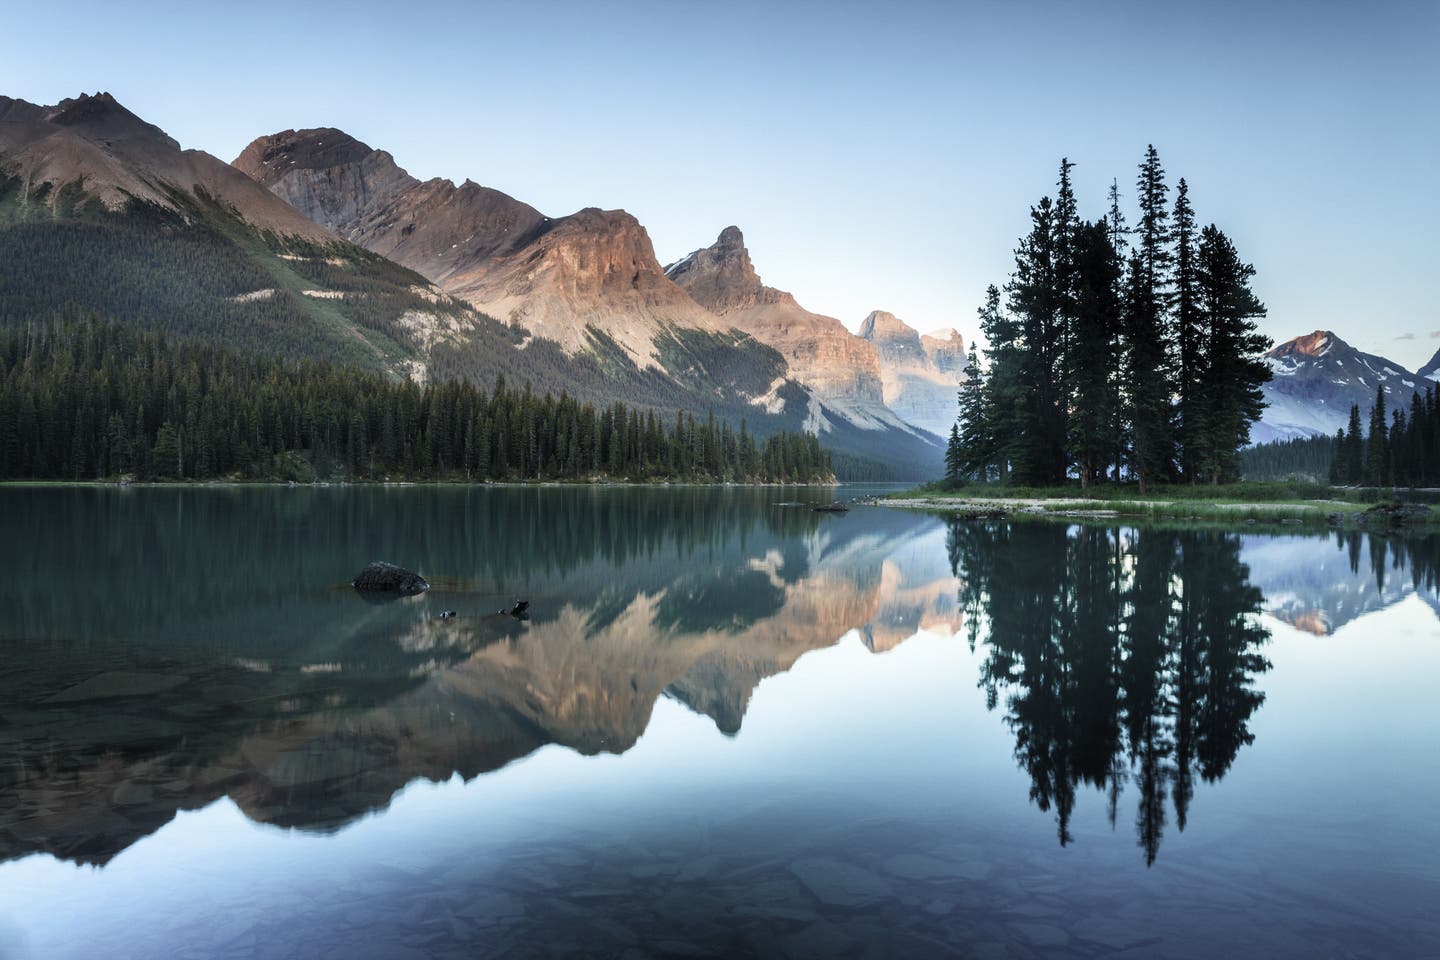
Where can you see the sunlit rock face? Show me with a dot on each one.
(920, 374)
(556, 277)
(842, 369)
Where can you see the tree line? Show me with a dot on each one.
(1114, 352)
(85, 399)
(1403, 452)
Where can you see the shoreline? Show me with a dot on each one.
(1327, 513)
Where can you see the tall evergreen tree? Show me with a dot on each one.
(1035, 299)
(1004, 411)
(1093, 357)
(975, 440)
(1354, 454)
(1232, 369)
(1151, 369)
(1189, 329)
(1377, 452)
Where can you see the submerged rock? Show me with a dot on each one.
(381, 577)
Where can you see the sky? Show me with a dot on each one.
(876, 155)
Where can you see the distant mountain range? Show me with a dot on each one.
(1318, 377)
(315, 244)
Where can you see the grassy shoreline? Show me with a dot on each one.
(1249, 503)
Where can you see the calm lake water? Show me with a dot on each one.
(730, 727)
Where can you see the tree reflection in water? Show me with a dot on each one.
(1124, 656)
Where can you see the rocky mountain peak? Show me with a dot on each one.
(721, 276)
(882, 324)
(102, 117)
(269, 158)
(1313, 345)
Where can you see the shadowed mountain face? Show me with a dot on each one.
(282, 689)
(1317, 378)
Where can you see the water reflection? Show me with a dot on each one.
(166, 648)
(247, 669)
(1131, 657)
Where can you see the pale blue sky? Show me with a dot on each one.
(876, 155)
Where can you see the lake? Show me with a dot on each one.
(731, 726)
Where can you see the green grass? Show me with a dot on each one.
(1245, 492)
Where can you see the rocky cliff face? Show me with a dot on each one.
(1317, 378)
(920, 375)
(556, 277)
(95, 145)
(842, 369)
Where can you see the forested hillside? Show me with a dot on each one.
(83, 399)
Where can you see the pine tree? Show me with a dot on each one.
(954, 456)
(976, 442)
(1354, 453)
(1093, 352)
(1150, 369)
(1035, 299)
(1191, 334)
(1005, 388)
(1233, 369)
(1377, 452)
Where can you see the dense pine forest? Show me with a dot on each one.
(85, 399)
(1114, 352)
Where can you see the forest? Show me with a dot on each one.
(1115, 352)
(1401, 449)
(86, 399)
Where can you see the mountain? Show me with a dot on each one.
(920, 375)
(843, 370)
(1431, 370)
(101, 211)
(560, 278)
(104, 213)
(590, 283)
(1317, 378)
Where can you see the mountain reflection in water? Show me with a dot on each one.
(167, 648)
(233, 661)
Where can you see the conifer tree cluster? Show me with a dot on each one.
(1401, 451)
(1114, 352)
(87, 400)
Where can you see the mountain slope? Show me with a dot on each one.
(1431, 369)
(1317, 378)
(590, 284)
(103, 212)
(843, 370)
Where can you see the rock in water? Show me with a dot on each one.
(381, 576)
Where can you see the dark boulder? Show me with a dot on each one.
(381, 577)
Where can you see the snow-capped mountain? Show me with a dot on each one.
(1318, 377)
